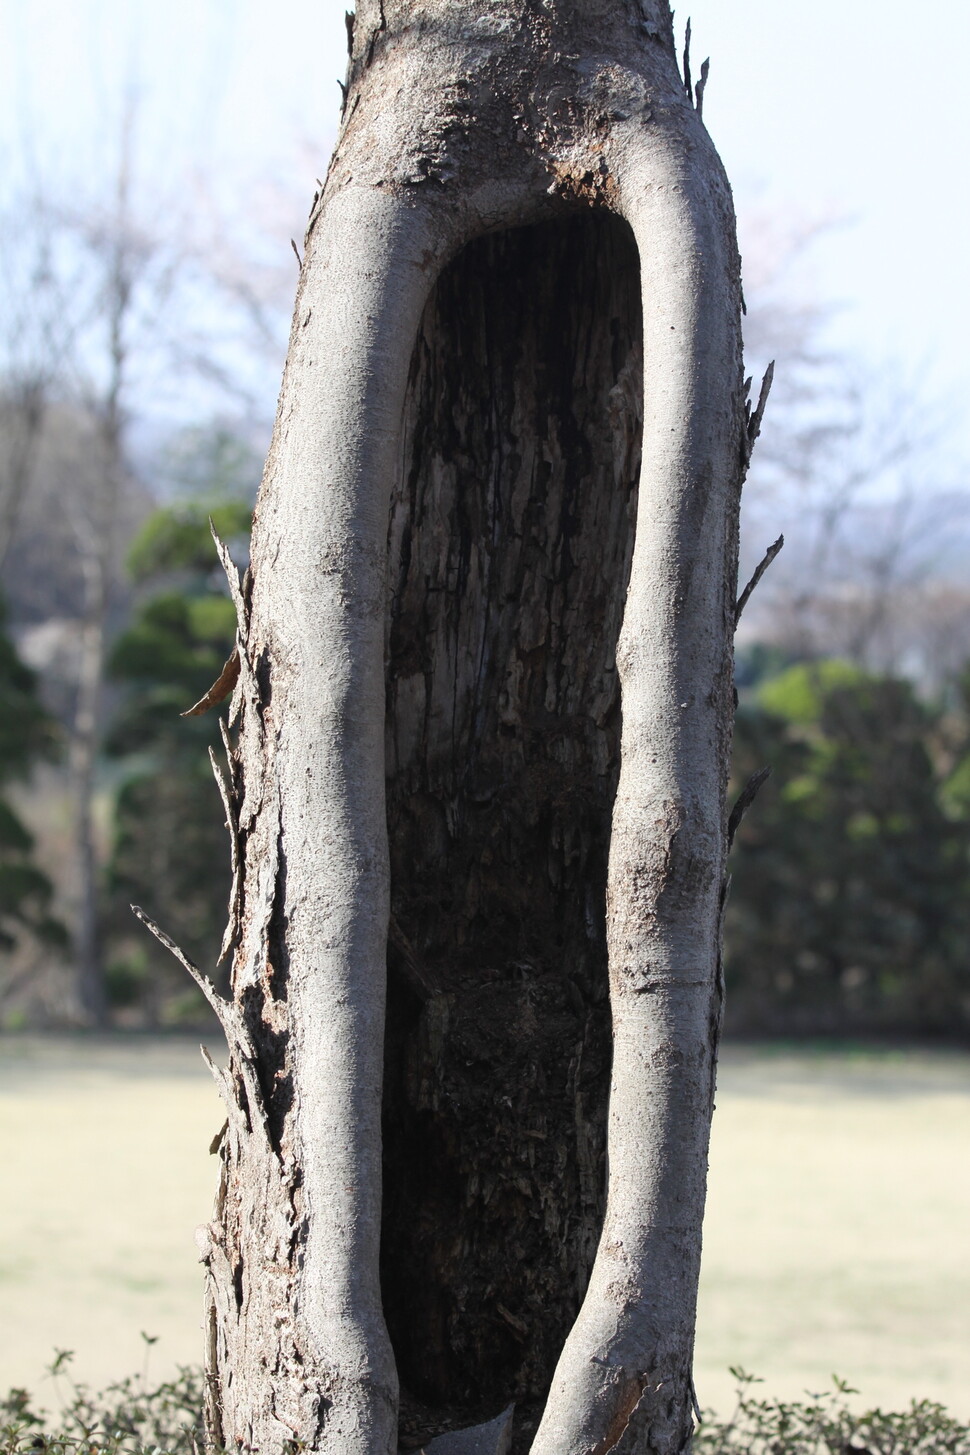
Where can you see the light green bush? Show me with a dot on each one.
(134, 1417)
(824, 1424)
(131, 1417)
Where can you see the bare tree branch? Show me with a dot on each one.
(762, 567)
(745, 799)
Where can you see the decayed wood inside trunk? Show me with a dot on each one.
(511, 532)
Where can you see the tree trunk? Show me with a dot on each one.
(97, 537)
(84, 741)
(22, 414)
(524, 252)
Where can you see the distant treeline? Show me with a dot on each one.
(849, 909)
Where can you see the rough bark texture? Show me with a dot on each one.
(470, 268)
(510, 544)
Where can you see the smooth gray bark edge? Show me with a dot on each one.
(298, 1346)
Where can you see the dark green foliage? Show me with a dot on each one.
(824, 1424)
(26, 734)
(850, 903)
(171, 852)
(171, 652)
(26, 731)
(179, 539)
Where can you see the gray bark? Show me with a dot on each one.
(462, 122)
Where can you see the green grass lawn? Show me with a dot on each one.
(837, 1238)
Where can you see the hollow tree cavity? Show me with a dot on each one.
(511, 533)
(477, 753)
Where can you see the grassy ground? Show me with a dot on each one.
(838, 1232)
(104, 1150)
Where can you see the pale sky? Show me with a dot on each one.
(839, 109)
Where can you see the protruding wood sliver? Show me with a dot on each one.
(763, 565)
(222, 1008)
(220, 688)
(745, 799)
(233, 1026)
(235, 892)
(236, 586)
(492, 1438)
(227, 744)
(755, 418)
(699, 88)
(216, 1142)
(227, 1091)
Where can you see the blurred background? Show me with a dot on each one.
(156, 162)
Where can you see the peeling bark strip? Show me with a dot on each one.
(483, 144)
(220, 688)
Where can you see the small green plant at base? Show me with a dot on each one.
(130, 1417)
(133, 1417)
(824, 1424)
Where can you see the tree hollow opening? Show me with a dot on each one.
(510, 540)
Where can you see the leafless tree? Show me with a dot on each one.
(849, 468)
(113, 298)
(40, 325)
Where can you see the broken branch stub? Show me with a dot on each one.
(745, 799)
(233, 578)
(755, 419)
(760, 570)
(223, 1008)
